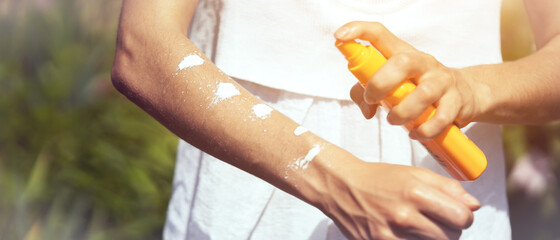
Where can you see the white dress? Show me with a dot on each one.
(284, 53)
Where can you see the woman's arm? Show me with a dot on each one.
(159, 69)
(526, 91)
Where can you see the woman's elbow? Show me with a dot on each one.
(119, 78)
(126, 74)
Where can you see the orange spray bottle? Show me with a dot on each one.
(456, 153)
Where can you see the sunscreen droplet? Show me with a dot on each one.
(262, 111)
(300, 130)
(225, 91)
(190, 61)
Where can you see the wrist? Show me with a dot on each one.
(327, 175)
(480, 97)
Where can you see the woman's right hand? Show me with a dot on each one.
(386, 201)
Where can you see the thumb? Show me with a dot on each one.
(374, 32)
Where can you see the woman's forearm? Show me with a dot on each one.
(525, 91)
(160, 70)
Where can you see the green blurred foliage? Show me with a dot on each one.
(77, 160)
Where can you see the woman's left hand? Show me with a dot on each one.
(445, 88)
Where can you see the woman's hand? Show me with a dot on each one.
(386, 201)
(446, 88)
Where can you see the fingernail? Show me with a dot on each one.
(341, 32)
(471, 200)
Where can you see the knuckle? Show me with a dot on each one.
(402, 59)
(454, 184)
(426, 93)
(430, 59)
(373, 90)
(401, 217)
(443, 119)
(414, 192)
(377, 27)
(377, 83)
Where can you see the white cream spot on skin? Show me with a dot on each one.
(190, 61)
(262, 111)
(302, 163)
(300, 130)
(225, 91)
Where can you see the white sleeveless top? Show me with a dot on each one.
(283, 52)
(289, 44)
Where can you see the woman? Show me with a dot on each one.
(335, 179)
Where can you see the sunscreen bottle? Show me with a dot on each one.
(456, 153)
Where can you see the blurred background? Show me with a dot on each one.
(79, 161)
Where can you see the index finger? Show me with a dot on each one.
(377, 34)
(442, 208)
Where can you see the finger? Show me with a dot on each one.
(382, 232)
(430, 89)
(454, 189)
(402, 66)
(379, 36)
(428, 229)
(451, 234)
(441, 207)
(357, 95)
(447, 110)
(414, 225)
(450, 187)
